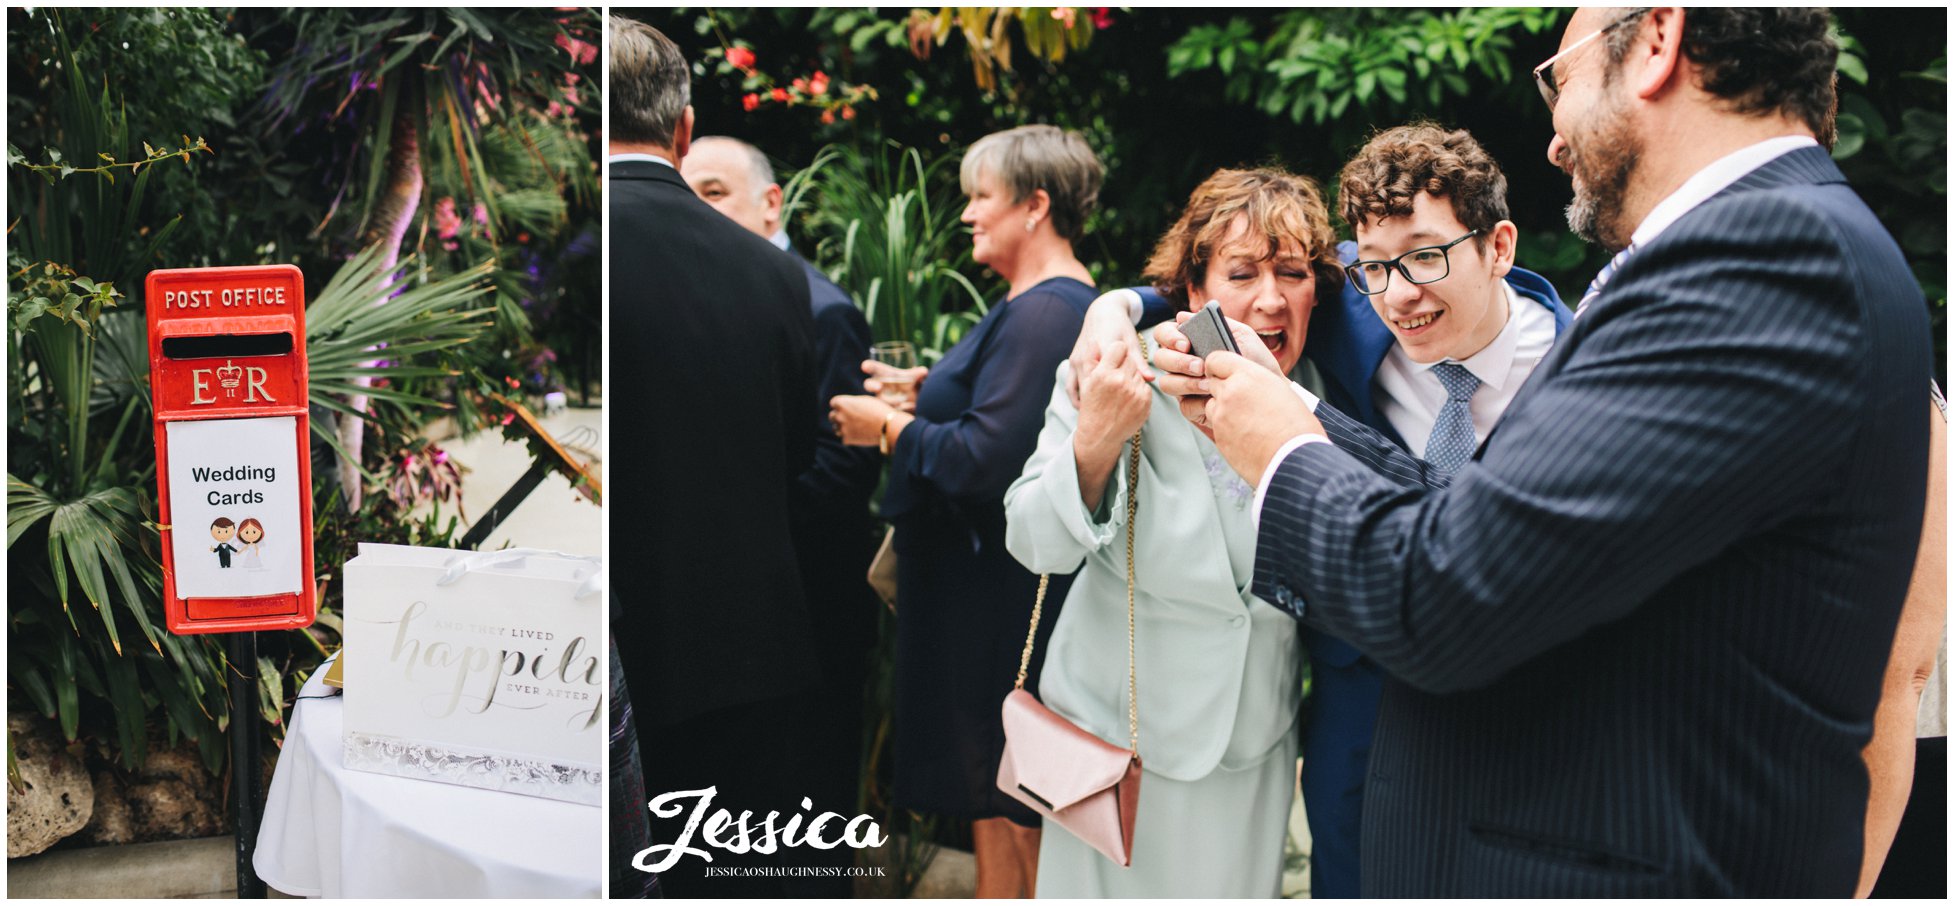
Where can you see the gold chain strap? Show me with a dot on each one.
(1132, 525)
(1024, 661)
(1038, 604)
(1132, 514)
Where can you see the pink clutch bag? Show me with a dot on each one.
(1086, 785)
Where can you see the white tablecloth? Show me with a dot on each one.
(331, 832)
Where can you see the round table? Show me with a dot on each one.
(332, 832)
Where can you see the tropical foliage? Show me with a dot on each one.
(887, 225)
(188, 137)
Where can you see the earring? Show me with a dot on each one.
(1030, 223)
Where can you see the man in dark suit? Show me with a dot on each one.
(833, 531)
(712, 343)
(1636, 642)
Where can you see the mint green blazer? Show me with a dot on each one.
(1219, 669)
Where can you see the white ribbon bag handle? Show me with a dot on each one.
(463, 564)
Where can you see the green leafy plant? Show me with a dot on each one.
(1048, 32)
(1316, 63)
(886, 227)
(343, 328)
(421, 84)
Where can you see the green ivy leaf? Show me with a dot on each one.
(1852, 137)
(1853, 68)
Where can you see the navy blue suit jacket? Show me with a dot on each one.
(1637, 642)
(833, 531)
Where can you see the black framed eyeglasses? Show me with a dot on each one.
(1543, 75)
(1421, 266)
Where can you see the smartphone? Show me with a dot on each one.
(1208, 331)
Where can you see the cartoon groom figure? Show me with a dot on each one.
(222, 531)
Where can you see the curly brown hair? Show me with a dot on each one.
(1279, 206)
(1398, 163)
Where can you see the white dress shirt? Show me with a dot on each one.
(621, 158)
(1409, 395)
(1713, 179)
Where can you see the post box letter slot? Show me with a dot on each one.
(228, 345)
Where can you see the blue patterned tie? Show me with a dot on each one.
(1452, 439)
(1601, 279)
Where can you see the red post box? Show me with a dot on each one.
(227, 381)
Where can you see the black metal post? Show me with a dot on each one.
(244, 760)
(506, 504)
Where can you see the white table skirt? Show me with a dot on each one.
(331, 832)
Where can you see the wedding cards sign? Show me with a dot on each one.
(235, 503)
(480, 669)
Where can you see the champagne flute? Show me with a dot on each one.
(898, 383)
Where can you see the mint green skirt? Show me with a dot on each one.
(1220, 836)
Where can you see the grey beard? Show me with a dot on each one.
(1596, 211)
(1584, 218)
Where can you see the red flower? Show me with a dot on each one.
(1102, 16)
(741, 58)
(800, 85)
(827, 116)
(446, 221)
(780, 94)
(750, 102)
(818, 83)
(847, 112)
(581, 52)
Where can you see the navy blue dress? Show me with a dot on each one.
(963, 603)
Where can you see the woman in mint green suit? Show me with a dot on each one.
(1218, 669)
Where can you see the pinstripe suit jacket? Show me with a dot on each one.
(1636, 644)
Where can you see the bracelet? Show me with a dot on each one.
(886, 419)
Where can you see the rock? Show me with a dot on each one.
(174, 798)
(113, 823)
(59, 797)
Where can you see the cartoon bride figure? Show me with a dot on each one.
(249, 533)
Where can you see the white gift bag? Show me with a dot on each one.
(477, 668)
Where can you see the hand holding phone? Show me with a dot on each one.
(1208, 331)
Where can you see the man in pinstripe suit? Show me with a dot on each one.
(1637, 640)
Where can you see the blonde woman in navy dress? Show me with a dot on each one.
(963, 602)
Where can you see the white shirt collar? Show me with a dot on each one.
(621, 158)
(1492, 364)
(779, 240)
(1713, 179)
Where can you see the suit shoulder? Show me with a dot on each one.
(827, 297)
(1823, 233)
(1826, 213)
